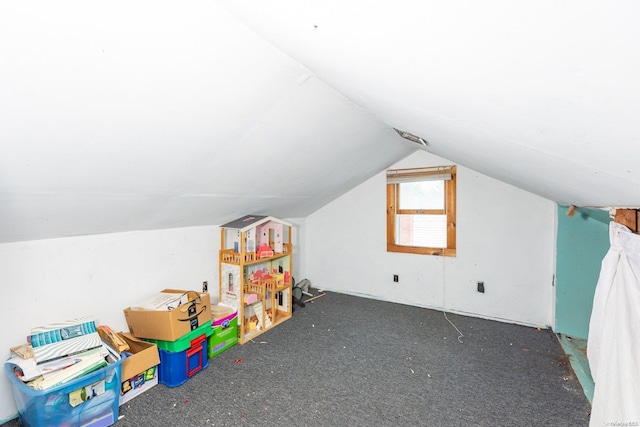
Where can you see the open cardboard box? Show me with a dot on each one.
(170, 325)
(139, 369)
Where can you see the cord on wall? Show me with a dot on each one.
(444, 299)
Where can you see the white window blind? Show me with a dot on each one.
(398, 176)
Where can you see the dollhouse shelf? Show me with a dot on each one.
(229, 256)
(255, 272)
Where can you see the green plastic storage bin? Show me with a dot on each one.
(225, 334)
(183, 343)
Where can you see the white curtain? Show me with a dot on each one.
(613, 347)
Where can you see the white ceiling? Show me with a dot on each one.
(132, 115)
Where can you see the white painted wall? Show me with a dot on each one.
(505, 237)
(53, 280)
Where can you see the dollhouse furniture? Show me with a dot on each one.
(255, 272)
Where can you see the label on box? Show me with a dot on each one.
(138, 381)
(194, 323)
(83, 394)
(218, 347)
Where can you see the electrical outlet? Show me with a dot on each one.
(395, 278)
(481, 287)
(205, 286)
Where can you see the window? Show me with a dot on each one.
(421, 210)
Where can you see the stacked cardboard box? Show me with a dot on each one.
(139, 369)
(180, 329)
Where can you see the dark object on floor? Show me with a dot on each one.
(297, 290)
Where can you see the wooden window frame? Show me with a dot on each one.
(450, 211)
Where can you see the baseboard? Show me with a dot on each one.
(6, 420)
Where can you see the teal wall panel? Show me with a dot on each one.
(582, 243)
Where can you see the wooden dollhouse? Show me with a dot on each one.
(255, 272)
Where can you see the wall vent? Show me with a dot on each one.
(411, 137)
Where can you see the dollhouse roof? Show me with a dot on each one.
(250, 221)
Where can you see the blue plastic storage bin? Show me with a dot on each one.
(177, 367)
(44, 408)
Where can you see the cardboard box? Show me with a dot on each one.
(139, 369)
(169, 325)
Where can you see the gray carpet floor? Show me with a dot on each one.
(351, 361)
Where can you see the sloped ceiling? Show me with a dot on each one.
(132, 115)
(541, 94)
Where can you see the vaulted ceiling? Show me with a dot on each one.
(133, 115)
